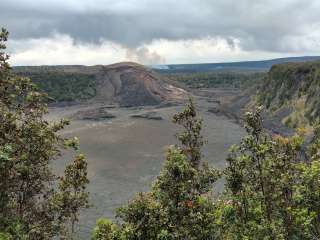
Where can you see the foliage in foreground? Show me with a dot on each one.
(272, 191)
(179, 205)
(34, 202)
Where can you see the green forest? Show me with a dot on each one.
(64, 87)
(217, 79)
(272, 190)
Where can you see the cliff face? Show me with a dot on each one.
(126, 84)
(292, 93)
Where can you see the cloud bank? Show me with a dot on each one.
(107, 30)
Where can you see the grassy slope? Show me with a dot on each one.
(292, 91)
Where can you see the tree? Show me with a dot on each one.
(33, 204)
(190, 138)
(179, 206)
(271, 191)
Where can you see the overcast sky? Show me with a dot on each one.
(159, 31)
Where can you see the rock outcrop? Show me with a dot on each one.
(148, 115)
(131, 84)
(93, 114)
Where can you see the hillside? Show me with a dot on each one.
(291, 92)
(132, 84)
(126, 84)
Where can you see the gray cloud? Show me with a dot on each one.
(258, 24)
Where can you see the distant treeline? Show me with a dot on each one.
(223, 79)
(62, 86)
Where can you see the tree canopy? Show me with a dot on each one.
(35, 203)
(272, 190)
